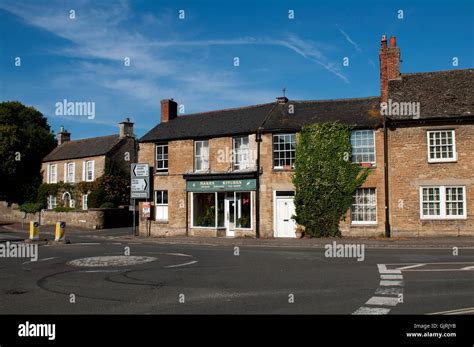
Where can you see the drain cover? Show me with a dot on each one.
(116, 260)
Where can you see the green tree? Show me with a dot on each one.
(324, 178)
(25, 138)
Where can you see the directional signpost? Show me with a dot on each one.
(140, 185)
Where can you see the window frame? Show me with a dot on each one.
(237, 166)
(50, 180)
(50, 204)
(374, 162)
(162, 204)
(92, 171)
(441, 160)
(283, 151)
(163, 169)
(73, 172)
(196, 157)
(85, 202)
(443, 202)
(353, 222)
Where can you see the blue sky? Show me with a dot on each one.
(192, 59)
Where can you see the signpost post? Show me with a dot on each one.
(139, 185)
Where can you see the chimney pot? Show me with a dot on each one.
(383, 41)
(169, 110)
(393, 41)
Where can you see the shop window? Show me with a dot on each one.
(204, 209)
(243, 213)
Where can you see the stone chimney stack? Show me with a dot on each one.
(389, 65)
(63, 136)
(126, 128)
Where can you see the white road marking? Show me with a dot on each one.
(391, 283)
(410, 266)
(179, 265)
(391, 277)
(179, 254)
(468, 268)
(104, 270)
(382, 301)
(37, 261)
(383, 270)
(86, 243)
(453, 312)
(372, 310)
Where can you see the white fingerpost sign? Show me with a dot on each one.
(140, 184)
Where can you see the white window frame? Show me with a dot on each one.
(165, 157)
(442, 199)
(50, 173)
(85, 206)
(375, 203)
(162, 206)
(201, 157)
(279, 167)
(241, 152)
(70, 173)
(92, 169)
(373, 145)
(441, 160)
(52, 205)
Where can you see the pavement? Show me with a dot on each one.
(111, 271)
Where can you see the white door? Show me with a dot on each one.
(229, 212)
(285, 226)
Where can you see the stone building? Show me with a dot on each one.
(228, 172)
(86, 160)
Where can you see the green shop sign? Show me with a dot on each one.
(224, 185)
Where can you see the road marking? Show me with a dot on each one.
(383, 270)
(179, 265)
(453, 312)
(410, 266)
(468, 268)
(382, 300)
(179, 254)
(391, 277)
(372, 310)
(391, 283)
(135, 243)
(90, 271)
(37, 261)
(86, 243)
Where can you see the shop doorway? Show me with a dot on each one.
(229, 213)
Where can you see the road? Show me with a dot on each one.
(127, 275)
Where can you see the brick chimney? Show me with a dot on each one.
(169, 110)
(389, 65)
(126, 128)
(63, 136)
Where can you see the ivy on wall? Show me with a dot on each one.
(325, 178)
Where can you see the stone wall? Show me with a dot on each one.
(91, 219)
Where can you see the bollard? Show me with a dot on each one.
(60, 231)
(34, 231)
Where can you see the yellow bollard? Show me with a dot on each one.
(34, 231)
(60, 231)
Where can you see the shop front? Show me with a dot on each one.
(225, 205)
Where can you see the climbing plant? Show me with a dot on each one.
(325, 178)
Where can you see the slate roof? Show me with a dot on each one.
(441, 94)
(273, 116)
(91, 147)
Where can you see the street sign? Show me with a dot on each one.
(146, 210)
(140, 181)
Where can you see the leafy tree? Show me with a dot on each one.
(25, 139)
(325, 178)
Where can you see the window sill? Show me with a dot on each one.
(364, 224)
(161, 221)
(428, 219)
(161, 173)
(275, 169)
(442, 161)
